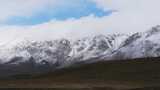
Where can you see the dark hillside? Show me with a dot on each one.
(123, 74)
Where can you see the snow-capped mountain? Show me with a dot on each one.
(138, 45)
(63, 52)
(60, 51)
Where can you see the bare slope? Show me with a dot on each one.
(122, 74)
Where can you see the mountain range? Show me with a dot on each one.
(30, 56)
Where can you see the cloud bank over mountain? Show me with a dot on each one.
(123, 16)
(131, 16)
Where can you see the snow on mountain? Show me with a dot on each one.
(63, 52)
(96, 46)
(146, 44)
(59, 51)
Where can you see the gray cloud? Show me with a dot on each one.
(130, 16)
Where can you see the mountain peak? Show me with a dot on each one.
(153, 30)
(63, 51)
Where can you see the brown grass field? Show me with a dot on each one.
(137, 74)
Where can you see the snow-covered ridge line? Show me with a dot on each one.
(65, 52)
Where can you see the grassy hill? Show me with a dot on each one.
(137, 74)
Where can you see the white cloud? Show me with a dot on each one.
(131, 16)
(9, 8)
(129, 5)
(71, 29)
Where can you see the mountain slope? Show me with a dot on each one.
(115, 75)
(29, 56)
(140, 45)
(60, 51)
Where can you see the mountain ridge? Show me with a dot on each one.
(63, 52)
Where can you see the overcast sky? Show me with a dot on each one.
(51, 19)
